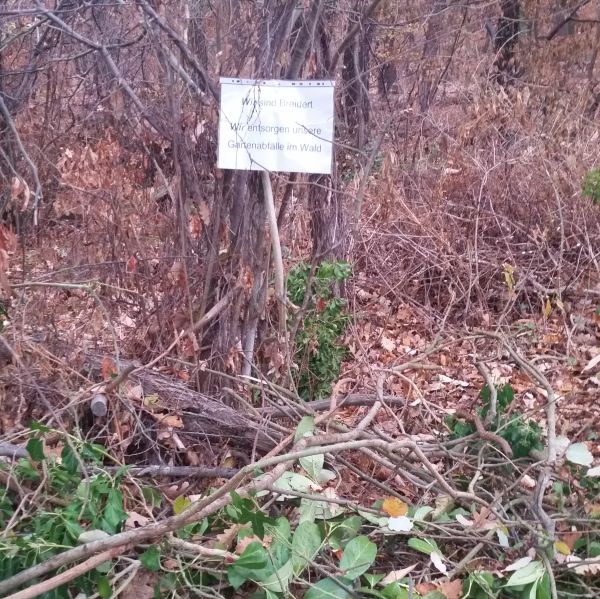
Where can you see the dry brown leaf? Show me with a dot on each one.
(387, 344)
(134, 519)
(484, 520)
(592, 509)
(142, 585)
(425, 587)
(225, 539)
(195, 226)
(204, 212)
(569, 539)
(108, 367)
(451, 589)
(588, 567)
(170, 420)
(394, 507)
(243, 543)
(397, 575)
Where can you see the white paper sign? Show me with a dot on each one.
(276, 125)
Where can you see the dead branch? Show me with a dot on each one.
(71, 574)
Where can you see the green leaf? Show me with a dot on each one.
(104, 567)
(426, 546)
(578, 453)
(313, 465)
(593, 549)
(253, 564)
(254, 557)
(181, 502)
(34, 425)
(152, 496)
(279, 581)
(532, 572)
(151, 559)
(103, 587)
(305, 428)
(373, 579)
(35, 448)
(291, 481)
(543, 588)
(69, 460)
(280, 549)
(328, 589)
(113, 515)
(344, 531)
(395, 591)
(434, 595)
(309, 510)
(305, 545)
(422, 512)
(358, 556)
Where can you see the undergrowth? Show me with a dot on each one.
(319, 353)
(522, 435)
(307, 546)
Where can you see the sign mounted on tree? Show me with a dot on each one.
(276, 125)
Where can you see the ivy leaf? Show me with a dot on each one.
(254, 557)
(34, 425)
(113, 515)
(69, 460)
(279, 581)
(358, 556)
(313, 465)
(35, 448)
(305, 545)
(328, 589)
(305, 428)
(150, 559)
(103, 587)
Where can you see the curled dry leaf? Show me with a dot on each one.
(397, 575)
(438, 562)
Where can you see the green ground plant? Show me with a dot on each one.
(522, 434)
(319, 353)
(591, 185)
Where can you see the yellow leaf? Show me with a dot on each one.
(180, 504)
(509, 277)
(151, 400)
(394, 507)
(547, 309)
(562, 547)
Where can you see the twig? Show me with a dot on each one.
(120, 378)
(210, 315)
(276, 248)
(200, 550)
(484, 434)
(192, 471)
(491, 414)
(64, 577)
(537, 376)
